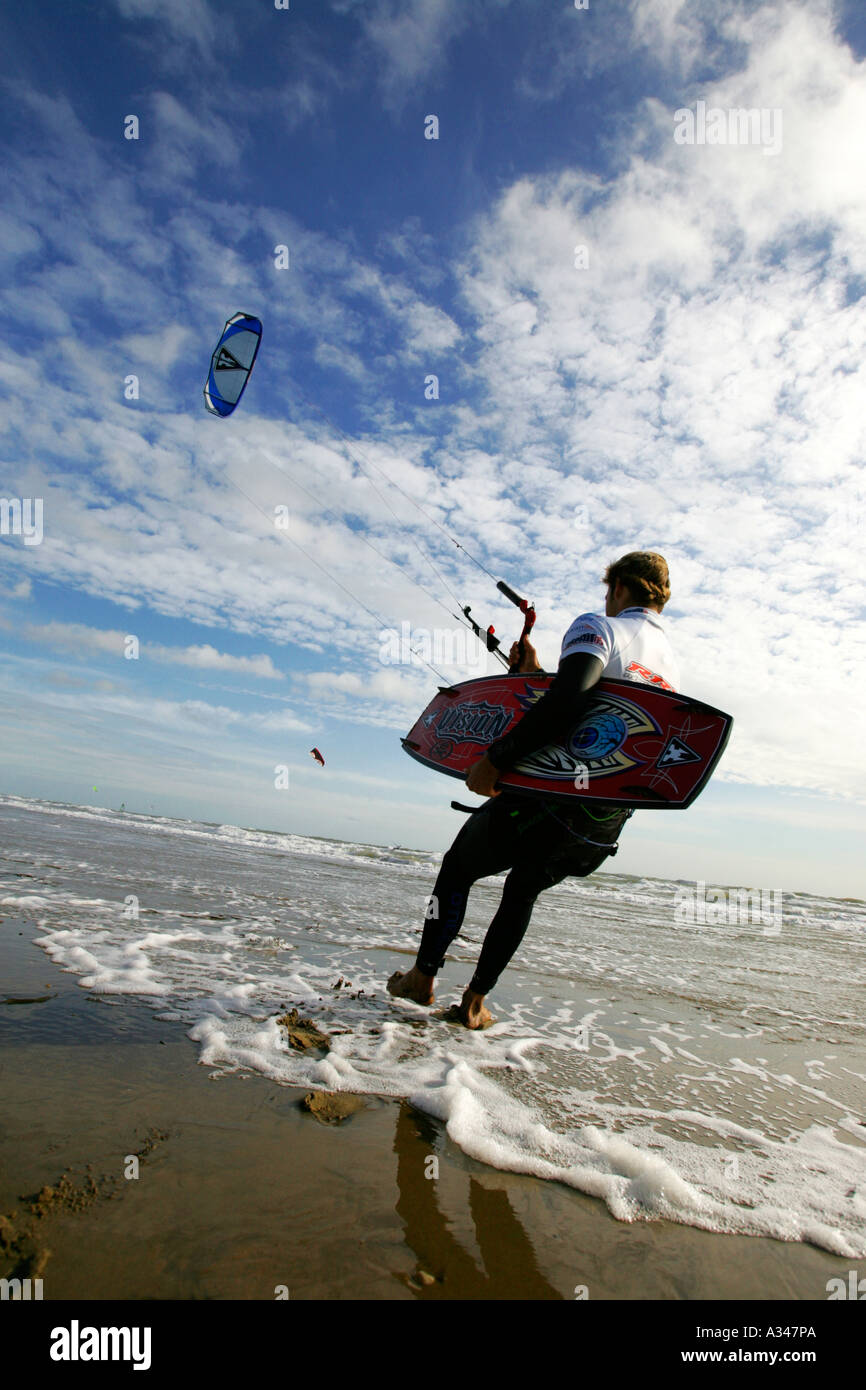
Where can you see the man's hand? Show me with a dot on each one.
(482, 777)
(529, 665)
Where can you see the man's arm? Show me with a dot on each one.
(558, 709)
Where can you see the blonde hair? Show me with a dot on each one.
(645, 575)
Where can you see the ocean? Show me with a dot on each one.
(677, 1060)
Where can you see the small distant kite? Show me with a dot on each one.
(232, 363)
(314, 753)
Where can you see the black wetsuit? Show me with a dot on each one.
(542, 842)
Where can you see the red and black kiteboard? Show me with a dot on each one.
(635, 744)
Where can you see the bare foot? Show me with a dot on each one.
(471, 1011)
(412, 985)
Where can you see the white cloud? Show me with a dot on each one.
(193, 24)
(207, 658)
(17, 238)
(184, 139)
(675, 32)
(12, 588)
(77, 637)
(411, 37)
(166, 345)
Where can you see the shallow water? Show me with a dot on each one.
(710, 1074)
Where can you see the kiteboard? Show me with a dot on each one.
(635, 744)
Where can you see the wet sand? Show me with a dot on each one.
(242, 1191)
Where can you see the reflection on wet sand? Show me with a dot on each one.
(444, 1264)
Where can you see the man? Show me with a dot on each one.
(543, 842)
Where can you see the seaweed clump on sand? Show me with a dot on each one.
(331, 1107)
(303, 1033)
(21, 1257)
(66, 1195)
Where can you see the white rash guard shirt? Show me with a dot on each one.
(633, 646)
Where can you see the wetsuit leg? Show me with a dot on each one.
(508, 927)
(540, 864)
(535, 839)
(483, 847)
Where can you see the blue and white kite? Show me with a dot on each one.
(231, 363)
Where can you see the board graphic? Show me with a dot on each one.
(635, 744)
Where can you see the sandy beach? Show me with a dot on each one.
(241, 1191)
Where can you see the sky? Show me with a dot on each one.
(525, 284)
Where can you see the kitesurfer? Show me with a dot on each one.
(543, 842)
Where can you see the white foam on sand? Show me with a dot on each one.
(722, 1094)
(630, 1156)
